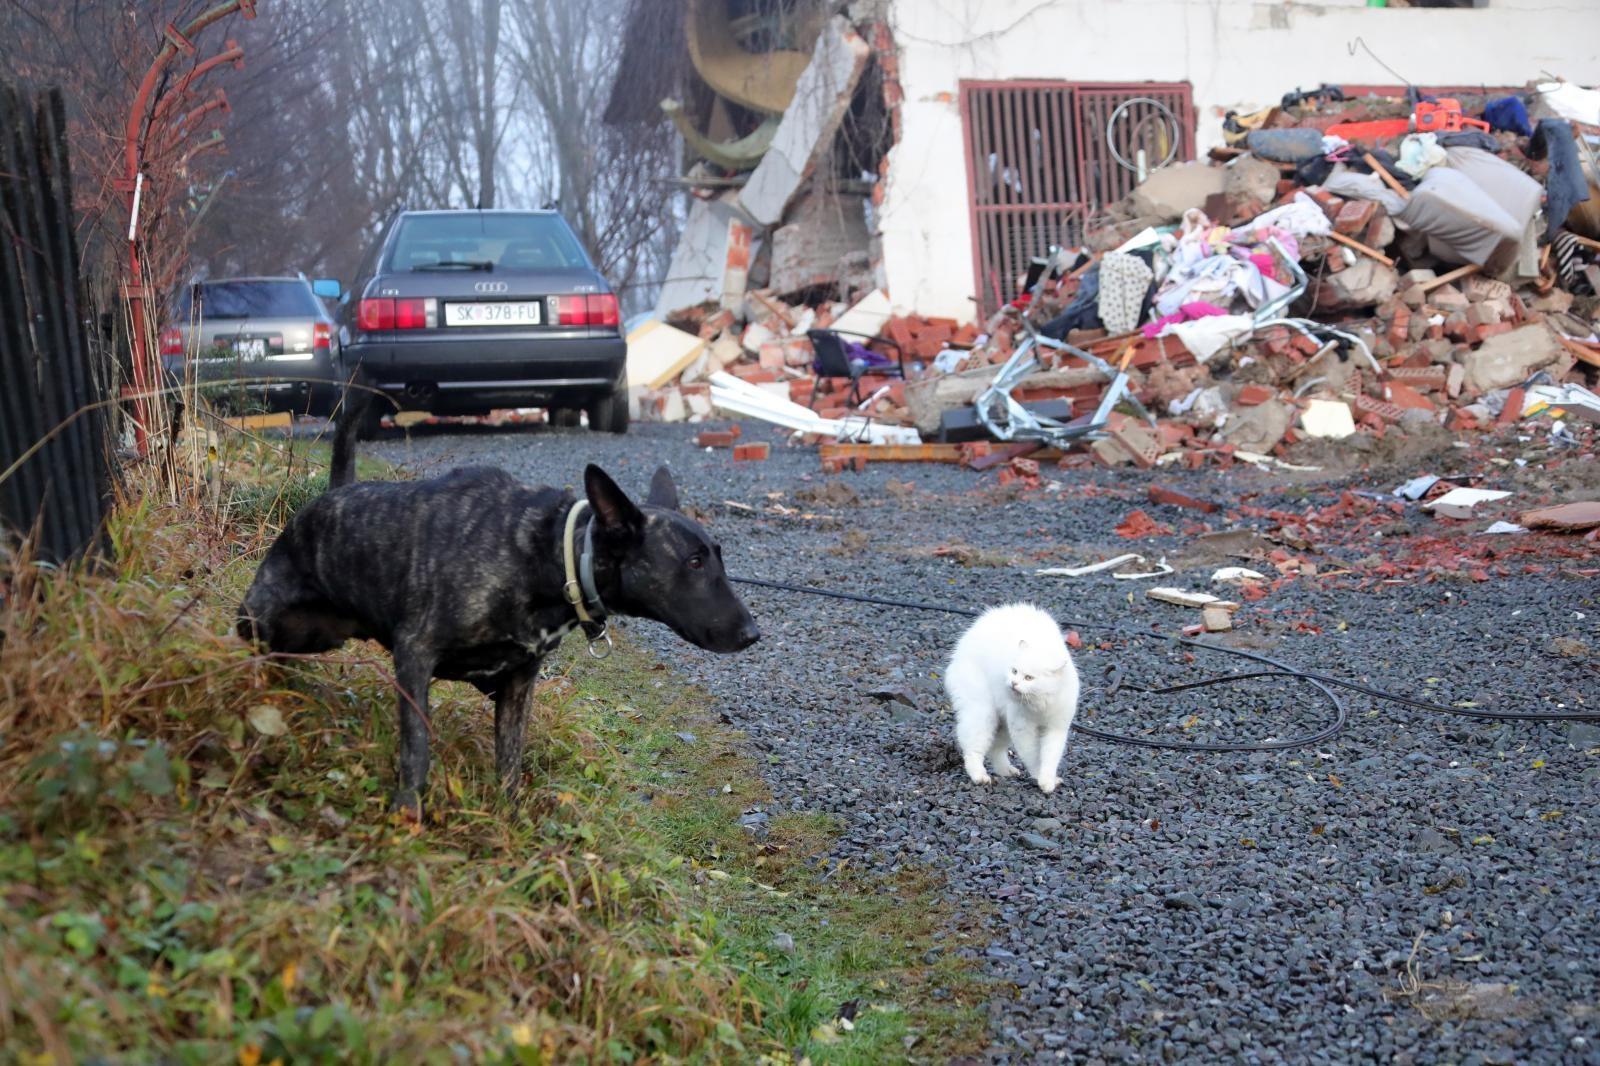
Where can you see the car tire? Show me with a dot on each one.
(609, 413)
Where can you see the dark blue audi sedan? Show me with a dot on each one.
(462, 312)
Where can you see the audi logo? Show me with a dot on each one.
(491, 286)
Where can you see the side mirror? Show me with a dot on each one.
(327, 288)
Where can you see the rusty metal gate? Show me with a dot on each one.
(1042, 156)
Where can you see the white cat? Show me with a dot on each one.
(1012, 684)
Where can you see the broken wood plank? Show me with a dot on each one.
(278, 420)
(1388, 178)
(1454, 275)
(1369, 252)
(1582, 351)
(1183, 598)
(892, 453)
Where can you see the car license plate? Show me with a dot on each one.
(250, 348)
(522, 313)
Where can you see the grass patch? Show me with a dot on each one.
(197, 863)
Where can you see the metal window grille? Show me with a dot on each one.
(1040, 161)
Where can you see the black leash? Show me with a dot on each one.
(1323, 683)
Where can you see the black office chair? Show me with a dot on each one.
(833, 361)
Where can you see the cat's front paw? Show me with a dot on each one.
(1005, 769)
(1048, 785)
(979, 777)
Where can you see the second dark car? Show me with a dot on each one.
(461, 312)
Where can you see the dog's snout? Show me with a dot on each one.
(749, 633)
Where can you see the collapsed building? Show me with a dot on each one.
(894, 170)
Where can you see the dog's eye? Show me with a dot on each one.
(696, 562)
(1027, 677)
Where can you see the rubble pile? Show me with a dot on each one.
(1340, 268)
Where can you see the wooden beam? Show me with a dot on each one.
(1582, 351)
(1371, 253)
(279, 420)
(1454, 275)
(1388, 178)
(893, 453)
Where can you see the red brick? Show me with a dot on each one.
(745, 453)
(755, 375)
(1403, 395)
(1252, 395)
(1460, 421)
(800, 390)
(1383, 410)
(1431, 376)
(1305, 345)
(1515, 401)
(716, 438)
(1354, 217)
(1400, 328)
(1174, 498)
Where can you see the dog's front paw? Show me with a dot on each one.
(1048, 785)
(1005, 769)
(979, 777)
(406, 808)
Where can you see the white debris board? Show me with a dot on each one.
(658, 353)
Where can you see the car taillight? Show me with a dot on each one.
(603, 310)
(599, 310)
(385, 313)
(321, 336)
(571, 311)
(376, 314)
(415, 314)
(172, 341)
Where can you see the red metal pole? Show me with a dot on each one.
(144, 376)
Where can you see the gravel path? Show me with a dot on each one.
(1165, 906)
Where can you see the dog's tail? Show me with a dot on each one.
(355, 408)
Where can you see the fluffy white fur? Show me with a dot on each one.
(1013, 685)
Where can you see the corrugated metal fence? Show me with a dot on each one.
(59, 493)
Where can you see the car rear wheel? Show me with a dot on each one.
(610, 412)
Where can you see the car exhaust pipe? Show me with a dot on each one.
(421, 390)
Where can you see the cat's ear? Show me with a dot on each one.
(1022, 645)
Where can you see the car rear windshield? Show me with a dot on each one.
(484, 241)
(250, 299)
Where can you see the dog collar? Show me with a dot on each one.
(579, 589)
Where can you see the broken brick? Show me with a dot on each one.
(716, 438)
(1174, 498)
(1432, 376)
(1253, 395)
(1381, 409)
(1515, 401)
(1354, 216)
(1139, 525)
(1404, 396)
(751, 453)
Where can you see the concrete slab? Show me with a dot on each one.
(821, 98)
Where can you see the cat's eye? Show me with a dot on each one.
(1027, 677)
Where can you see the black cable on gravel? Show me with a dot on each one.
(1341, 715)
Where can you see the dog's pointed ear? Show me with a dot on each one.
(616, 513)
(663, 492)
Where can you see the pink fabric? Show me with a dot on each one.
(1186, 313)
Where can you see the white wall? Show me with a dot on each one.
(1236, 53)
